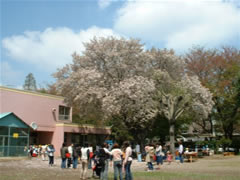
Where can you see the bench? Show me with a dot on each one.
(191, 155)
(228, 154)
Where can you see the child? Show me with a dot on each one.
(96, 166)
(169, 157)
(177, 158)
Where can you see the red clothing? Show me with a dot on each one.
(169, 158)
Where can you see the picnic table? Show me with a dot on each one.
(191, 155)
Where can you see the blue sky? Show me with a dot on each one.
(39, 36)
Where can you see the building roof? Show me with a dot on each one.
(2, 115)
(14, 121)
(31, 92)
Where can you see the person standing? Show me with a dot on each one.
(180, 150)
(169, 157)
(90, 147)
(70, 151)
(159, 154)
(149, 149)
(43, 151)
(75, 155)
(51, 150)
(30, 152)
(84, 161)
(117, 161)
(63, 151)
(127, 161)
(104, 156)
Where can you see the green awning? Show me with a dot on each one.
(9, 119)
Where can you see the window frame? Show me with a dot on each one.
(64, 113)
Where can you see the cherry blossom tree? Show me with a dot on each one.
(134, 84)
(133, 98)
(110, 71)
(178, 92)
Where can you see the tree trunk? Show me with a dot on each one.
(211, 125)
(228, 130)
(172, 138)
(141, 142)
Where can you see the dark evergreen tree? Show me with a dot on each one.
(30, 83)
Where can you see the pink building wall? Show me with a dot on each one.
(38, 108)
(58, 139)
(32, 107)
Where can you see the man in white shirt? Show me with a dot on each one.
(70, 151)
(180, 150)
(159, 154)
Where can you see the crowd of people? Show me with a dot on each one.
(43, 151)
(156, 152)
(100, 158)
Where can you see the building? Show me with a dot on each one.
(14, 135)
(49, 118)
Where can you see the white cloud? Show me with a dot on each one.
(104, 3)
(179, 24)
(51, 48)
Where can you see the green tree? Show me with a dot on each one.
(161, 128)
(30, 83)
(218, 70)
(120, 132)
(177, 92)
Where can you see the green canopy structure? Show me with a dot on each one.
(14, 135)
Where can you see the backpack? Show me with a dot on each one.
(75, 153)
(78, 151)
(103, 154)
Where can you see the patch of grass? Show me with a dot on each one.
(209, 169)
(21, 174)
(180, 176)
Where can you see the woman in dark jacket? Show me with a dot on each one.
(63, 151)
(51, 150)
(75, 156)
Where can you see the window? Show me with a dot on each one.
(13, 141)
(65, 137)
(64, 113)
(75, 138)
(3, 130)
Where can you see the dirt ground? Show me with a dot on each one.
(36, 169)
